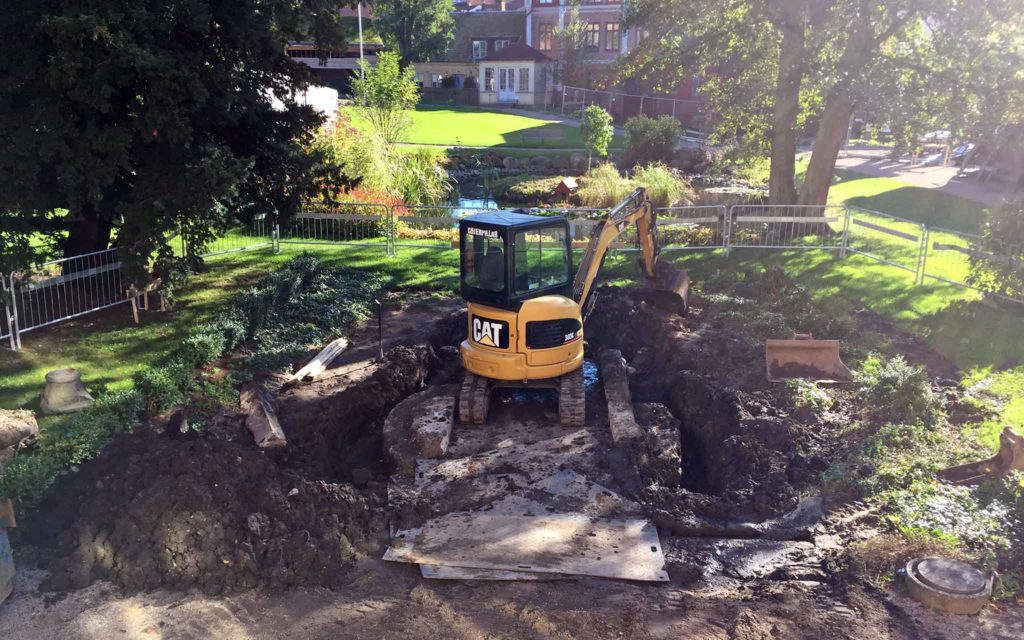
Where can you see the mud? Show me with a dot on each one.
(162, 509)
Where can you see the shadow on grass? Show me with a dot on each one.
(928, 206)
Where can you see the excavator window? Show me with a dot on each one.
(484, 264)
(541, 259)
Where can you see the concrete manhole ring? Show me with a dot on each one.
(948, 585)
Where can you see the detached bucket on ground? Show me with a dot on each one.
(806, 358)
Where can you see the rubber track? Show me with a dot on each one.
(572, 406)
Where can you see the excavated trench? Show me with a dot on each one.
(212, 511)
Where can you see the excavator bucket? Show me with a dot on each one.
(670, 289)
(805, 357)
(1010, 457)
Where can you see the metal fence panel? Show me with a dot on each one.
(351, 223)
(429, 226)
(242, 237)
(769, 226)
(62, 289)
(949, 255)
(894, 241)
(692, 228)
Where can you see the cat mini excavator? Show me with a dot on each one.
(526, 309)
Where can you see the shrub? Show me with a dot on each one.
(664, 187)
(893, 458)
(204, 346)
(649, 140)
(895, 391)
(164, 386)
(596, 128)
(525, 188)
(999, 265)
(370, 166)
(603, 186)
(808, 395)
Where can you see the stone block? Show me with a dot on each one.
(432, 426)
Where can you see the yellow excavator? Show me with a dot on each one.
(526, 308)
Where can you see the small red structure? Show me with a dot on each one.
(566, 189)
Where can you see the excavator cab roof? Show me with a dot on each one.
(508, 257)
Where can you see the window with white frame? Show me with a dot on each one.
(479, 49)
(524, 79)
(500, 44)
(488, 78)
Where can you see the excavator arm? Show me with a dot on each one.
(635, 209)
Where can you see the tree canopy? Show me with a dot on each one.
(417, 29)
(384, 93)
(777, 68)
(142, 120)
(597, 130)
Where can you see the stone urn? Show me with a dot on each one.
(64, 392)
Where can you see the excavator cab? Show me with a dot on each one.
(509, 257)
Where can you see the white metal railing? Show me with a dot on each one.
(62, 289)
(755, 226)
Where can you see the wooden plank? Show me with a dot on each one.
(818, 220)
(566, 543)
(261, 418)
(319, 363)
(892, 232)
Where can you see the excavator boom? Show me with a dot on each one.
(670, 285)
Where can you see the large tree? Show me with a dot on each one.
(417, 29)
(138, 120)
(777, 67)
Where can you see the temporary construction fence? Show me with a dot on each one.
(58, 290)
(623, 106)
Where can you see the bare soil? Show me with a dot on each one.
(204, 535)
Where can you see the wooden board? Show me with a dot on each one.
(567, 543)
(438, 572)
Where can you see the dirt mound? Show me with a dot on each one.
(212, 511)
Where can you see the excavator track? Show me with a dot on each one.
(474, 399)
(572, 399)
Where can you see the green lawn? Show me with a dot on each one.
(475, 127)
(109, 348)
(888, 195)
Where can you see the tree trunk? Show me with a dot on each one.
(781, 185)
(860, 49)
(831, 133)
(88, 231)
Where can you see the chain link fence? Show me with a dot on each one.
(59, 290)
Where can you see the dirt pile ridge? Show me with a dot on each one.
(214, 512)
